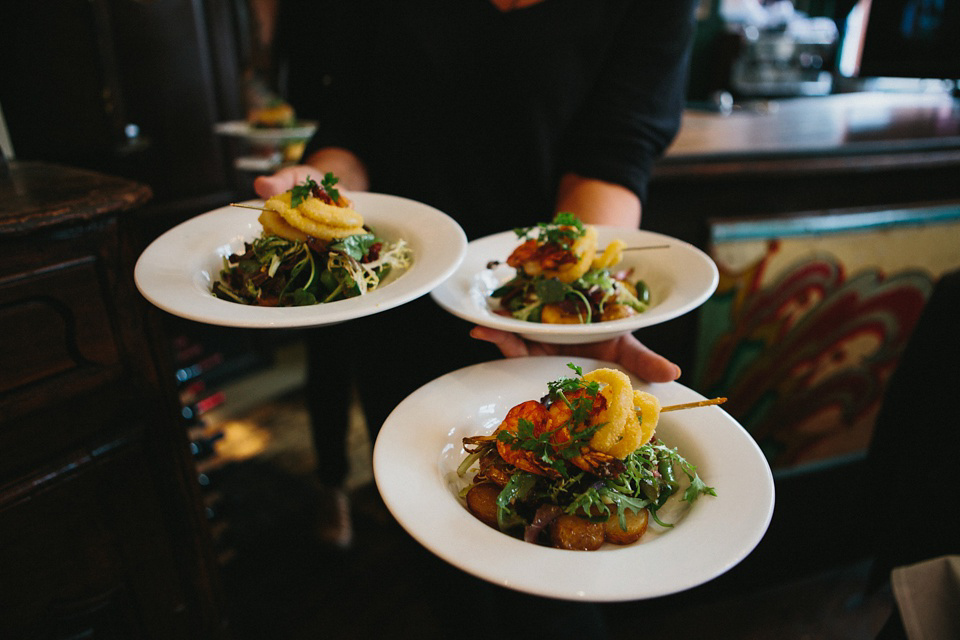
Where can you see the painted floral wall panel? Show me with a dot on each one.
(810, 318)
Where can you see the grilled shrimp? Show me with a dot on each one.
(531, 411)
(551, 260)
(561, 417)
(622, 419)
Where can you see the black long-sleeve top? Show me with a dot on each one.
(478, 112)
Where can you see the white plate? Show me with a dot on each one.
(176, 272)
(420, 446)
(680, 277)
(242, 129)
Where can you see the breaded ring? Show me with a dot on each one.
(274, 225)
(316, 218)
(618, 392)
(630, 438)
(649, 407)
(330, 215)
(611, 256)
(585, 248)
(317, 230)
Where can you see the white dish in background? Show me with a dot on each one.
(177, 270)
(680, 277)
(417, 452)
(242, 129)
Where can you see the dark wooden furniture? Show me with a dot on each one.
(131, 89)
(101, 526)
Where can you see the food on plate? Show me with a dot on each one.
(314, 248)
(562, 277)
(275, 115)
(579, 467)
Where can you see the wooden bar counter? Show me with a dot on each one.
(101, 527)
(854, 150)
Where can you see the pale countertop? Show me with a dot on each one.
(844, 122)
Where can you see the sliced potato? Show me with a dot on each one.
(636, 527)
(482, 502)
(575, 533)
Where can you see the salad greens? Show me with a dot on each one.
(275, 271)
(646, 479)
(524, 296)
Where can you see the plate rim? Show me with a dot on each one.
(302, 130)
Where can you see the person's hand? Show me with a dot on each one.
(625, 350)
(344, 164)
(285, 179)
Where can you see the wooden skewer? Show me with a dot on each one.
(693, 405)
(248, 206)
(653, 246)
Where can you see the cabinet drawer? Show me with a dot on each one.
(57, 340)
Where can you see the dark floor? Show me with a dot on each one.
(280, 583)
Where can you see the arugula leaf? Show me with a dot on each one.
(516, 490)
(589, 505)
(623, 502)
(696, 488)
(355, 246)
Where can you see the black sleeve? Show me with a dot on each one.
(634, 110)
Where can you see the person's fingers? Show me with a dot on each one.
(510, 344)
(645, 362)
(627, 351)
(283, 180)
(268, 186)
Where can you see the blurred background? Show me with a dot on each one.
(817, 164)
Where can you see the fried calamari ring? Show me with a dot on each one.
(639, 428)
(649, 407)
(611, 256)
(274, 225)
(317, 218)
(618, 392)
(330, 215)
(629, 439)
(585, 248)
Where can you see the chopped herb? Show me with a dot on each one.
(302, 191)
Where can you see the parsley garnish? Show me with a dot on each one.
(552, 454)
(563, 230)
(310, 188)
(302, 191)
(329, 184)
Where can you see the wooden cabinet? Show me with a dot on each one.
(101, 526)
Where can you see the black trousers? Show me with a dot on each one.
(389, 355)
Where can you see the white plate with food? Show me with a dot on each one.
(301, 130)
(176, 272)
(418, 451)
(678, 276)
